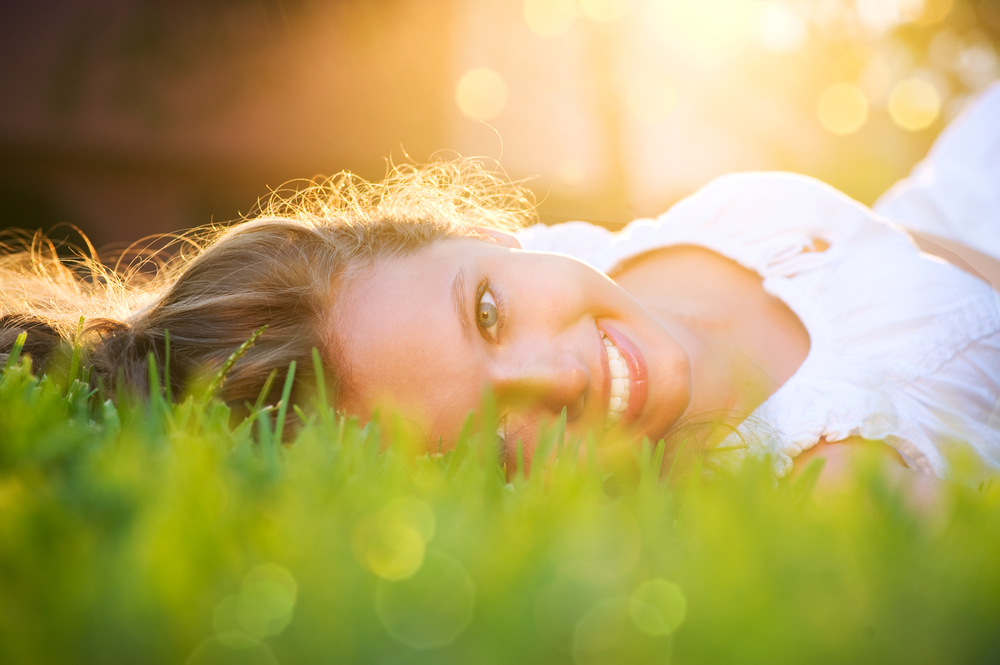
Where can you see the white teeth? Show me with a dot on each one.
(619, 383)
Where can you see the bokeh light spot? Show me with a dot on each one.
(572, 172)
(391, 542)
(880, 16)
(911, 10)
(934, 11)
(481, 94)
(600, 630)
(780, 29)
(657, 607)
(977, 65)
(232, 649)
(842, 109)
(707, 32)
(262, 608)
(945, 49)
(914, 104)
(429, 609)
(875, 77)
(549, 18)
(852, 63)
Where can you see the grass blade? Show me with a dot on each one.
(220, 376)
(166, 366)
(265, 391)
(154, 378)
(286, 393)
(15, 352)
(323, 404)
(803, 486)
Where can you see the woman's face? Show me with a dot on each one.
(427, 332)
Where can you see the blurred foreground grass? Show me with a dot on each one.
(156, 534)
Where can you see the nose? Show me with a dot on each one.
(550, 378)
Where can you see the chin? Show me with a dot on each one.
(673, 409)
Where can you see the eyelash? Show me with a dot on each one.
(485, 286)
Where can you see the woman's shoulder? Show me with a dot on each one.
(581, 240)
(759, 209)
(758, 219)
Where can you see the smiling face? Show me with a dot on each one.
(426, 332)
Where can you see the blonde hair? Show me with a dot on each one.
(278, 268)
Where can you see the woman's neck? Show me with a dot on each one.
(725, 375)
(742, 342)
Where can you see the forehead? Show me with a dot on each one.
(400, 337)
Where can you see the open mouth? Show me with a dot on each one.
(618, 403)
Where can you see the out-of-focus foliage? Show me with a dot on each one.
(645, 101)
(131, 117)
(150, 533)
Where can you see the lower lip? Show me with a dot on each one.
(638, 386)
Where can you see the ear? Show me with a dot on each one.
(500, 237)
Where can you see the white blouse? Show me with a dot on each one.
(904, 347)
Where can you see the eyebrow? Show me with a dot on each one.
(459, 297)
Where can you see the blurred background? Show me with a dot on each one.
(136, 117)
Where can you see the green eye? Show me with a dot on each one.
(487, 314)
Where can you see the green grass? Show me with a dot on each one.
(151, 533)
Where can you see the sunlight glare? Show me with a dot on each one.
(914, 104)
(780, 29)
(842, 109)
(881, 16)
(712, 32)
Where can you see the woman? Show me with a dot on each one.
(768, 299)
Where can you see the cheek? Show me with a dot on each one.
(423, 386)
